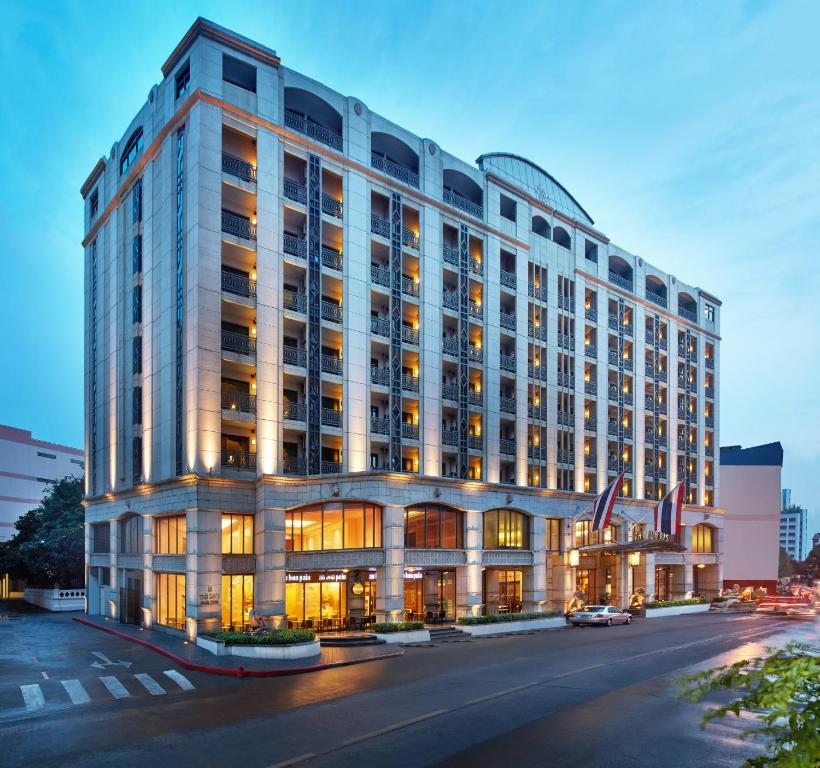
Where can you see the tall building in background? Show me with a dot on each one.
(27, 466)
(786, 498)
(794, 531)
(359, 376)
(750, 494)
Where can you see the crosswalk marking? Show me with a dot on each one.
(33, 697)
(115, 687)
(180, 679)
(76, 691)
(151, 685)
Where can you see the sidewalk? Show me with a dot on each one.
(191, 656)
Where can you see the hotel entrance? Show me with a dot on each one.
(429, 595)
(585, 583)
(663, 582)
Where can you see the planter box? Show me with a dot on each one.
(56, 599)
(477, 630)
(413, 636)
(676, 610)
(280, 652)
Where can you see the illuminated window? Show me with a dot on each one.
(506, 529)
(347, 525)
(237, 534)
(702, 539)
(553, 534)
(237, 599)
(170, 597)
(433, 526)
(170, 535)
(582, 533)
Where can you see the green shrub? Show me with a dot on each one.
(399, 626)
(673, 603)
(277, 637)
(501, 618)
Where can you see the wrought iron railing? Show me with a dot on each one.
(454, 198)
(296, 246)
(566, 456)
(312, 129)
(380, 376)
(410, 335)
(238, 343)
(474, 442)
(331, 467)
(620, 281)
(474, 397)
(450, 300)
(506, 320)
(410, 286)
(293, 356)
(565, 341)
(239, 226)
(566, 418)
(449, 436)
(294, 190)
(449, 254)
(507, 279)
(474, 308)
(331, 258)
(331, 417)
(238, 460)
(449, 392)
(410, 431)
(537, 452)
(380, 275)
(506, 447)
(331, 206)
(380, 326)
(331, 311)
(449, 345)
(379, 226)
(379, 426)
(295, 411)
(238, 401)
(656, 298)
(591, 387)
(238, 284)
(591, 425)
(394, 169)
(410, 382)
(294, 465)
(331, 364)
(688, 314)
(238, 167)
(566, 303)
(409, 238)
(295, 302)
(476, 266)
(537, 412)
(506, 404)
(506, 362)
(591, 314)
(475, 354)
(591, 350)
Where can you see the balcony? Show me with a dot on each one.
(410, 335)
(449, 345)
(590, 425)
(565, 341)
(294, 356)
(449, 299)
(612, 428)
(331, 467)
(475, 354)
(613, 392)
(649, 369)
(410, 287)
(627, 398)
(566, 418)
(709, 392)
(238, 226)
(241, 461)
(379, 426)
(380, 275)
(628, 364)
(450, 254)
(591, 350)
(380, 376)
(409, 238)
(476, 266)
(238, 343)
(507, 279)
(590, 461)
(380, 326)
(393, 169)
(379, 226)
(538, 331)
(566, 456)
(410, 431)
(331, 418)
(710, 363)
(688, 314)
(449, 437)
(449, 392)
(331, 364)
(474, 309)
(294, 411)
(710, 450)
(565, 379)
(238, 402)
(656, 298)
(649, 336)
(238, 285)
(331, 206)
(537, 412)
(474, 442)
(455, 199)
(409, 383)
(292, 465)
(331, 258)
(235, 166)
(537, 452)
(331, 312)
(294, 302)
(506, 404)
(612, 356)
(590, 388)
(294, 190)
(537, 371)
(709, 421)
(591, 314)
(295, 246)
(620, 281)
(313, 130)
(474, 397)
(566, 303)
(506, 447)
(506, 363)
(506, 320)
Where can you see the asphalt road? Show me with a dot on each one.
(599, 696)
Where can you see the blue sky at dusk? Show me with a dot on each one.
(688, 131)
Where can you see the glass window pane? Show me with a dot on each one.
(432, 528)
(312, 601)
(236, 534)
(332, 528)
(448, 529)
(236, 601)
(247, 547)
(311, 529)
(247, 597)
(295, 601)
(182, 535)
(354, 527)
(226, 534)
(414, 527)
(226, 600)
(491, 529)
(377, 526)
(289, 532)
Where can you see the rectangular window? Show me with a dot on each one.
(237, 534)
(170, 535)
(237, 600)
(44, 455)
(582, 533)
(94, 203)
(78, 461)
(183, 79)
(137, 353)
(553, 530)
(101, 538)
(507, 208)
(170, 599)
(136, 201)
(136, 255)
(131, 535)
(136, 304)
(104, 576)
(136, 405)
(709, 312)
(334, 526)
(238, 73)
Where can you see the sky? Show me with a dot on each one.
(689, 131)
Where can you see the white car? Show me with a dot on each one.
(600, 614)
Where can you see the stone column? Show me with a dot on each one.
(390, 578)
(203, 571)
(534, 587)
(649, 573)
(688, 579)
(624, 581)
(469, 589)
(147, 570)
(269, 546)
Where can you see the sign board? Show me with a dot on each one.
(209, 597)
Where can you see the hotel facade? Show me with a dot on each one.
(333, 371)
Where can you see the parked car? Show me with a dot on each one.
(600, 614)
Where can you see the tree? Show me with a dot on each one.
(782, 691)
(48, 548)
(785, 566)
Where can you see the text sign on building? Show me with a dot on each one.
(209, 597)
(309, 577)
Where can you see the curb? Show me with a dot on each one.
(228, 671)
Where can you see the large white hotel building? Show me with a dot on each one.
(334, 371)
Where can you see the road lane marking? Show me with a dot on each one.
(495, 695)
(115, 687)
(45, 675)
(32, 697)
(76, 691)
(180, 679)
(151, 685)
(293, 760)
(394, 727)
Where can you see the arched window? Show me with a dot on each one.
(561, 236)
(506, 529)
(335, 525)
(131, 535)
(132, 148)
(702, 538)
(541, 226)
(433, 526)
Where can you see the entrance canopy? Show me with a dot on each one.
(625, 547)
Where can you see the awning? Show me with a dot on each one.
(624, 548)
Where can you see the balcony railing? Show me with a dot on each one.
(507, 320)
(565, 341)
(294, 411)
(379, 226)
(507, 279)
(590, 461)
(331, 364)
(410, 286)
(379, 426)
(409, 382)
(331, 467)
(474, 397)
(313, 130)
(709, 392)
(239, 460)
(380, 275)
(566, 303)
(620, 281)
(294, 356)
(331, 258)
(380, 326)
(538, 331)
(393, 169)
(449, 345)
(410, 335)
(506, 404)
(409, 238)
(474, 442)
(566, 418)
(537, 412)
(238, 284)
(657, 298)
(565, 379)
(537, 452)
(238, 167)
(331, 206)
(536, 371)
(455, 199)
(591, 350)
(380, 376)
(591, 314)
(238, 343)
(709, 421)
(506, 447)
(449, 254)
(649, 337)
(591, 425)
(476, 266)
(331, 418)
(612, 356)
(612, 392)
(507, 363)
(475, 354)
(293, 465)
(688, 314)
(410, 431)
(294, 190)
(449, 437)
(450, 300)
(239, 226)
(591, 387)
(566, 456)
(295, 246)
(474, 309)
(295, 302)
(449, 392)
(710, 363)
(239, 402)
(331, 312)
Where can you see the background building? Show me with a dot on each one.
(750, 495)
(26, 467)
(793, 528)
(360, 357)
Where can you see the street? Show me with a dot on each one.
(600, 696)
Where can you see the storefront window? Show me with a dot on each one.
(170, 606)
(433, 526)
(582, 533)
(237, 534)
(237, 600)
(585, 583)
(347, 525)
(169, 535)
(429, 595)
(503, 591)
(316, 602)
(553, 534)
(702, 539)
(506, 529)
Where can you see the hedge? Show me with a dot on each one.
(673, 603)
(399, 626)
(500, 618)
(276, 637)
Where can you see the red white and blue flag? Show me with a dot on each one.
(668, 511)
(602, 509)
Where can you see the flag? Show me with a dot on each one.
(602, 509)
(668, 511)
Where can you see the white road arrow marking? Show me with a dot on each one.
(104, 661)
